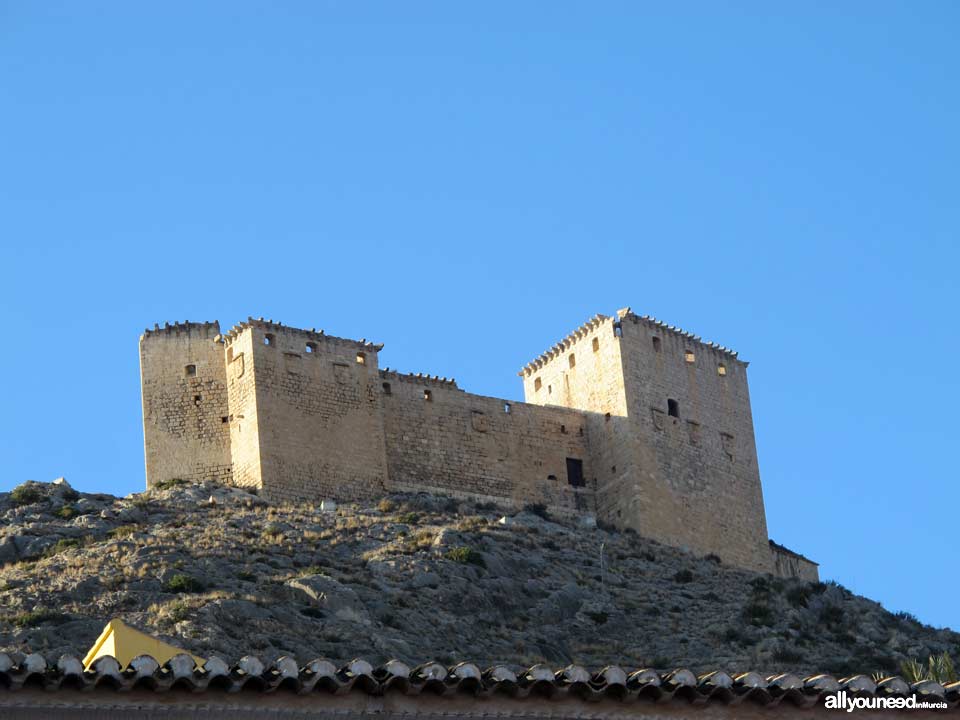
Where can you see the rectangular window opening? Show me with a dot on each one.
(596, 344)
(428, 395)
(537, 384)
(656, 344)
(190, 370)
(268, 339)
(673, 408)
(506, 408)
(386, 389)
(573, 360)
(361, 358)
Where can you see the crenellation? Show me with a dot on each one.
(638, 423)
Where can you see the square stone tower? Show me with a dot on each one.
(670, 431)
(185, 416)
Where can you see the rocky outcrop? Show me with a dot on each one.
(217, 571)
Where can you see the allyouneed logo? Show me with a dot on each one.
(843, 701)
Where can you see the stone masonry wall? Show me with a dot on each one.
(185, 416)
(690, 481)
(319, 415)
(482, 448)
(585, 372)
(244, 420)
(787, 563)
(694, 480)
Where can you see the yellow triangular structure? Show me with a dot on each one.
(121, 641)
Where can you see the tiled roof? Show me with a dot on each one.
(251, 674)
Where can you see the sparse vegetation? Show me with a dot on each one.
(378, 572)
(759, 614)
(386, 505)
(169, 484)
(123, 531)
(181, 583)
(38, 617)
(67, 512)
(465, 555)
(939, 668)
(538, 509)
(26, 494)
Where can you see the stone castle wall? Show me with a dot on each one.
(639, 424)
(319, 415)
(185, 415)
(442, 439)
(696, 483)
(689, 480)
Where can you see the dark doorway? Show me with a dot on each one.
(575, 472)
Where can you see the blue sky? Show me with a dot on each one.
(467, 183)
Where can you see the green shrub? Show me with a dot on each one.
(798, 595)
(831, 615)
(66, 512)
(39, 617)
(683, 576)
(715, 559)
(60, 546)
(465, 555)
(410, 518)
(168, 484)
(122, 531)
(246, 575)
(734, 635)
(26, 494)
(787, 655)
(757, 613)
(69, 494)
(181, 583)
(538, 509)
(600, 618)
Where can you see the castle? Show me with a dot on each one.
(627, 420)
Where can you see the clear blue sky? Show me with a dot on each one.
(467, 183)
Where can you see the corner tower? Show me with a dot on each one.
(307, 414)
(185, 417)
(670, 433)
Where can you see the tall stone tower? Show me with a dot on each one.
(670, 431)
(306, 413)
(185, 417)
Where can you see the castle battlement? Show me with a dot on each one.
(269, 326)
(202, 329)
(565, 344)
(676, 331)
(627, 419)
(419, 378)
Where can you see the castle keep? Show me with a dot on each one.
(628, 420)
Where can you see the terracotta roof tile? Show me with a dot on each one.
(284, 674)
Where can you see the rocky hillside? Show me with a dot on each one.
(219, 572)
